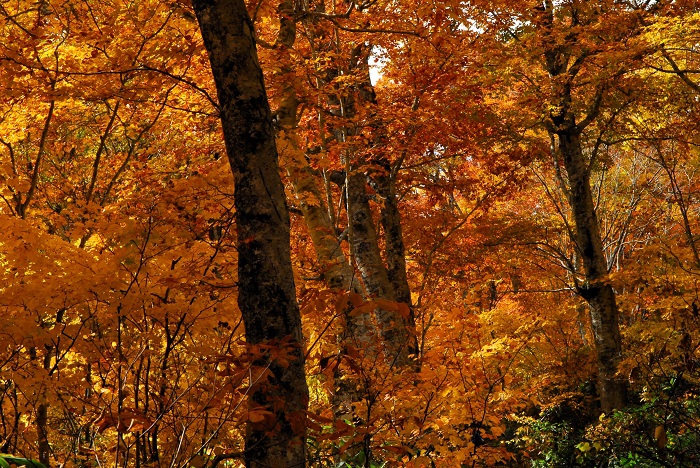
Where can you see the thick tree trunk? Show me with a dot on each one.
(597, 292)
(266, 293)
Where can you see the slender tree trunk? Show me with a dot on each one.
(42, 417)
(395, 330)
(363, 239)
(365, 250)
(395, 249)
(335, 269)
(42, 411)
(597, 292)
(563, 68)
(266, 293)
(683, 205)
(393, 238)
(42, 427)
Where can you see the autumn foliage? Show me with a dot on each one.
(494, 234)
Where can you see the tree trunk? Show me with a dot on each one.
(42, 418)
(398, 337)
(395, 249)
(335, 269)
(365, 250)
(597, 292)
(266, 292)
(563, 68)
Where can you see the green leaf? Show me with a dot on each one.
(7, 460)
(584, 447)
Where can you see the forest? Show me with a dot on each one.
(349, 233)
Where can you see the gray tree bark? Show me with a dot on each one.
(335, 269)
(396, 331)
(395, 249)
(365, 249)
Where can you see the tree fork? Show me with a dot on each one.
(562, 122)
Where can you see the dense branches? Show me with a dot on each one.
(491, 258)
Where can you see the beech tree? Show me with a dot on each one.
(266, 292)
(588, 79)
(563, 66)
(515, 190)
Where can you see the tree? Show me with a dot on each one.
(589, 83)
(511, 168)
(266, 293)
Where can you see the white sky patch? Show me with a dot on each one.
(377, 61)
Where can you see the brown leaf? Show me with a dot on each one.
(660, 436)
(363, 309)
(356, 299)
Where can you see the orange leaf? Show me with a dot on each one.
(256, 416)
(363, 309)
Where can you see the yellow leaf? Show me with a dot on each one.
(584, 447)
